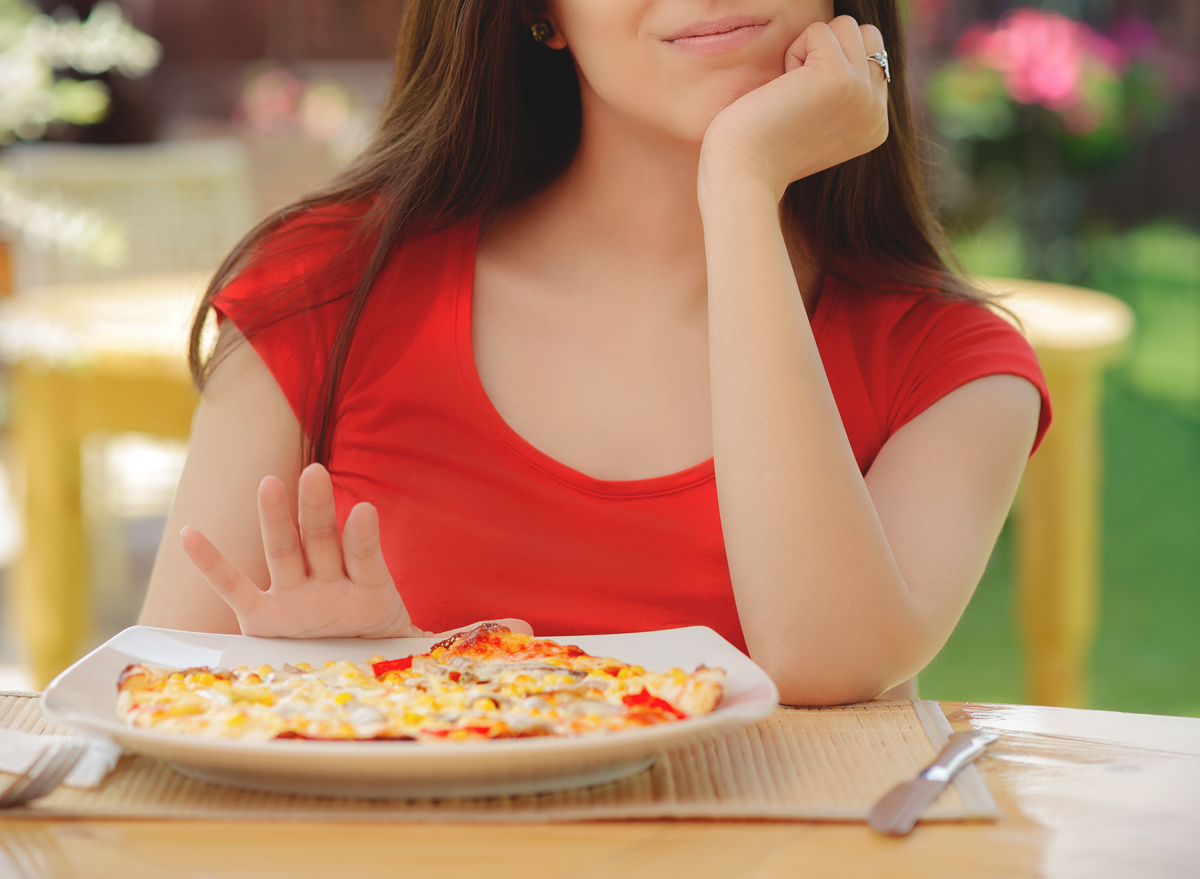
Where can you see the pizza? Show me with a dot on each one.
(485, 683)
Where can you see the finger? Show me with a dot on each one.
(821, 42)
(318, 524)
(285, 557)
(816, 36)
(238, 590)
(516, 625)
(874, 42)
(365, 564)
(850, 38)
(872, 39)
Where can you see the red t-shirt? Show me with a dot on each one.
(476, 523)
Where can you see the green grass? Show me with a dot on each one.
(1147, 651)
(982, 660)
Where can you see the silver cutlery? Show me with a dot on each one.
(899, 809)
(47, 772)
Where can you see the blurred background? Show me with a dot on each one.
(139, 139)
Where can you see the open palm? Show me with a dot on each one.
(323, 585)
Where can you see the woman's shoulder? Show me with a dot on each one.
(896, 320)
(302, 251)
(907, 345)
(898, 308)
(315, 257)
(291, 296)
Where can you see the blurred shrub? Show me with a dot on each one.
(1094, 94)
(34, 48)
(1156, 268)
(1035, 107)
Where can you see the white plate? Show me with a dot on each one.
(84, 698)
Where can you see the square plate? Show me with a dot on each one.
(84, 698)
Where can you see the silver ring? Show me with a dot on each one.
(881, 59)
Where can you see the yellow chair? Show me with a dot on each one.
(87, 357)
(99, 348)
(1076, 333)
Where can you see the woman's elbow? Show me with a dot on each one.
(813, 692)
(855, 679)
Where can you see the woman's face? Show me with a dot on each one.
(638, 58)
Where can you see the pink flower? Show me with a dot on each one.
(1042, 55)
(269, 101)
(1135, 36)
(1111, 53)
(970, 40)
(1143, 43)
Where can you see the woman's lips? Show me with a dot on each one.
(727, 40)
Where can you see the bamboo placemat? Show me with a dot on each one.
(827, 764)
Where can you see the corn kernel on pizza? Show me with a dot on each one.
(487, 683)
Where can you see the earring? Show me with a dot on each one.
(542, 31)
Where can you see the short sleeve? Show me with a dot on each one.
(289, 302)
(945, 344)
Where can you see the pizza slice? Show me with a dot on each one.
(485, 683)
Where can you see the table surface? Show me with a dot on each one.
(1059, 318)
(1083, 793)
(79, 324)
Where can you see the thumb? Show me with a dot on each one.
(517, 626)
(817, 39)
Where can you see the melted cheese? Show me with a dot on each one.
(448, 694)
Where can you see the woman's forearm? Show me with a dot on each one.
(823, 606)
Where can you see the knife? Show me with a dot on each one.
(900, 808)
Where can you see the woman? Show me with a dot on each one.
(593, 244)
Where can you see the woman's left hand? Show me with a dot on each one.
(829, 106)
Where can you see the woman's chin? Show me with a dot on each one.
(708, 107)
(687, 113)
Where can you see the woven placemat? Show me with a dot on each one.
(827, 764)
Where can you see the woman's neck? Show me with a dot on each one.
(627, 204)
(636, 188)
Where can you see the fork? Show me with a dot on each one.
(44, 775)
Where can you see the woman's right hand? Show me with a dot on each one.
(829, 105)
(323, 585)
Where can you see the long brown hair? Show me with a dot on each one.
(479, 115)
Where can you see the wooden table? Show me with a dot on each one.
(1084, 793)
